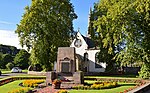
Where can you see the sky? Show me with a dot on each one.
(11, 12)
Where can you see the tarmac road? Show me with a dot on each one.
(12, 74)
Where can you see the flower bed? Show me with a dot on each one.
(62, 91)
(32, 83)
(57, 83)
(129, 89)
(7, 80)
(97, 85)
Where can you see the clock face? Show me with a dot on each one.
(78, 43)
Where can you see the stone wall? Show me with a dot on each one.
(78, 77)
(37, 73)
(50, 76)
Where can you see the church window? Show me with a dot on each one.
(86, 56)
(78, 43)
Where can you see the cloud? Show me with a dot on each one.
(9, 38)
(6, 23)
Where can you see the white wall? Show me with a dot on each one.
(91, 55)
(81, 50)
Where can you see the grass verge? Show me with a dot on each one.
(120, 88)
(10, 86)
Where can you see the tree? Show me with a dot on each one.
(123, 26)
(6, 58)
(45, 26)
(22, 59)
(10, 65)
(104, 55)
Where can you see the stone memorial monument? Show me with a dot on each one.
(66, 68)
(66, 62)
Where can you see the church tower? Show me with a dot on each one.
(89, 23)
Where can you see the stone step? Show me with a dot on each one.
(65, 74)
(66, 78)
(68, 85)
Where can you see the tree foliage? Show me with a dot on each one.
(104, 55)
(46, 25)
(9, 65)
(123, 26)
(22, 59)
(6, 58)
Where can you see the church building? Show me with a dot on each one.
(87, 54)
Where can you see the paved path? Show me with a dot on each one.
(48, 89)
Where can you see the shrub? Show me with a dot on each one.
(57, 81)
(145, 71)
(20, 90)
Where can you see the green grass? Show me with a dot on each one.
(6, 71)
(113, 90)
(120, 88)
(13, 85)
(10, 86)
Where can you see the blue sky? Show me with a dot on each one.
(11, 12)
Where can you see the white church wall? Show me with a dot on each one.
(91, 56)
(80, 50)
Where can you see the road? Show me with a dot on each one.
(12, 74)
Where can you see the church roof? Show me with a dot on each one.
(89, 42)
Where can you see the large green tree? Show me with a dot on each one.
(45, 26)
(6, 58)
(104, 54)
(22, 59)
(123, 26)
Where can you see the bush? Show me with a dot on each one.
(145, 71)
(9, 65)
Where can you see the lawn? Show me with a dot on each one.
(13, 85)
(10, 86)
(6, 71)
(113, 90)
(120, 88)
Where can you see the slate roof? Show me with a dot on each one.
(89, 42)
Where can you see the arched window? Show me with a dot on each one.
(86, 56)
(97, 61)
